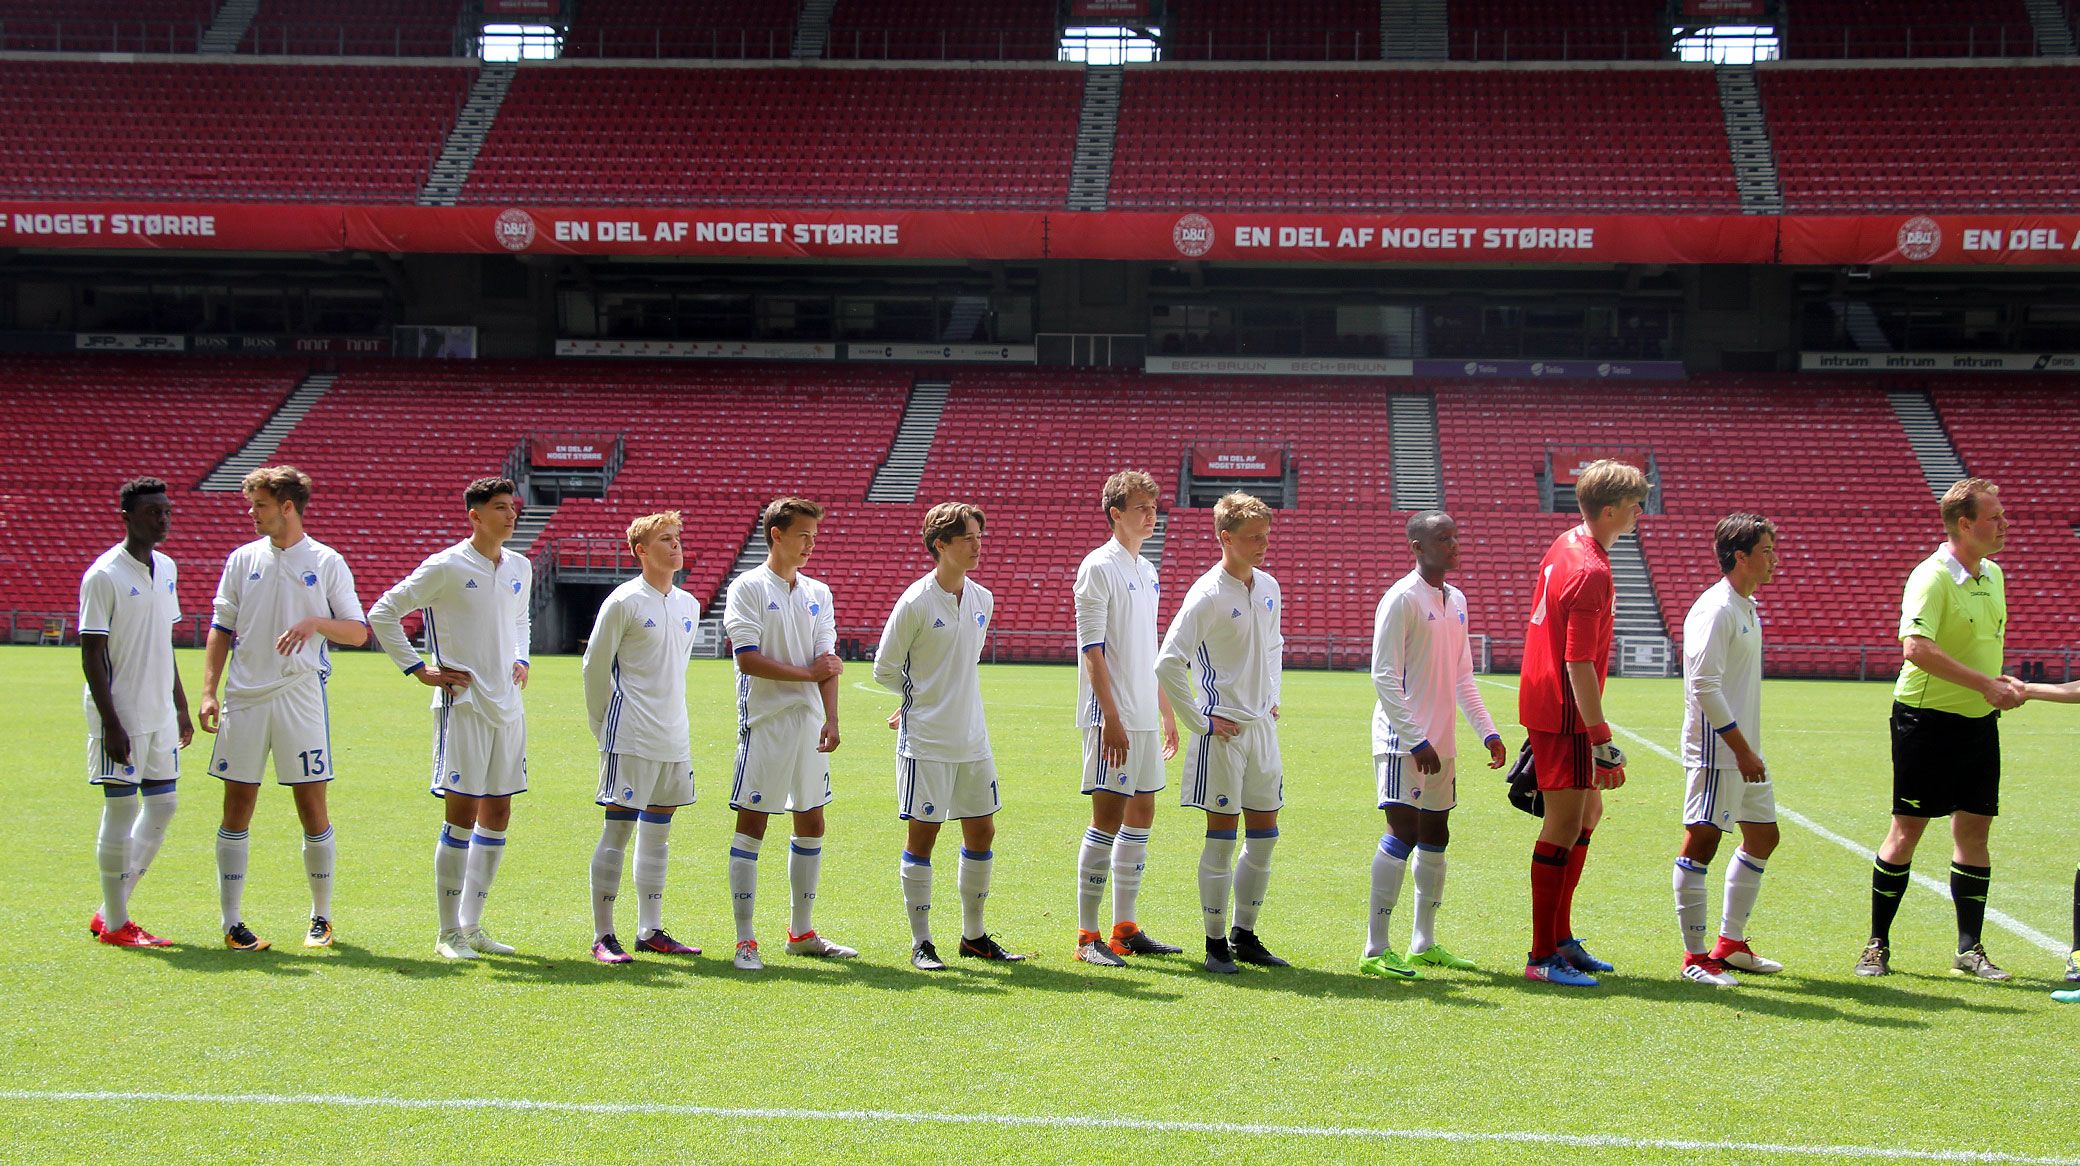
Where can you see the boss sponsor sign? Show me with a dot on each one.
(1939, 361)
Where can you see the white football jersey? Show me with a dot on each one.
(136, 609)
(266, 590)
(1422, 670)
(1722, 676)
(928, 655)
(1224, 653)
(635, 671)
(788, 625)
(477, 620)
(1116, 593)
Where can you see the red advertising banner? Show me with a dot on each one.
(1977, 240)
(1424, 238)
(569, 452)
(1108, 9)
(172, 226)
(1238, 461)
(734, 232)
(1570, 460)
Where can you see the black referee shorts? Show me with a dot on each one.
(1943, 762)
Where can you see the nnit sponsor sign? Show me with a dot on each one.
(1939, 361)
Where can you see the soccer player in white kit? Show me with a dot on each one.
(476, 596)
(1221, 663)
(635, 701)
(1120, 709)
(1422, 676)
(280, 599)
(137, 715)
(784, 637)
(1728, 783)
(944, 769)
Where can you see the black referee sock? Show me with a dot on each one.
(1968, 889)
(1888, 884)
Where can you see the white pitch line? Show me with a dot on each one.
(1024, 1121)
(2001, 919)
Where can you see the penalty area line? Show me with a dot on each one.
(1023, 1121)
(1998, 918)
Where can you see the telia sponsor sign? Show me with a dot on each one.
(1553, 370)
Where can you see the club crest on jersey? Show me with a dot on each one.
(628, 793)
(454, 779)
(310, 578)
(470, 586)
(1221, 800)
(128, 770)
(757, 798)
(815, 609)
(1462, 617)
(686, 625)
(222, 766)
(980, 619)
(928, 808)
(516, 586)
(1269, 602)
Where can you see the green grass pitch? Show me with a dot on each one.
(196, 1052)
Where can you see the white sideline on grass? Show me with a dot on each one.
(1021, 1121)
(2001, 919)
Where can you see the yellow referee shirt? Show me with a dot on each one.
(1966, 616)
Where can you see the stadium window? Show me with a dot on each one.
(1110, 45)
(1728, 44)
(520, 42)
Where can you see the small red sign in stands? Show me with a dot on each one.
(1238, 461)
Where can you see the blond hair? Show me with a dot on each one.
(650, 526)
(1121, 487)
(1235, 509)
(1609, 483)
(1961, 500)
(282, 483)
(947, 521)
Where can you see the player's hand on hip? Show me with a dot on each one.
(827, 739)
(825, 667)
(206, 716)
(296, 636)
(1752, 768)
(449, 680)
(1427, 760)
(1498, 755)
(520, 674)
(1222, 727)
(1112, 745)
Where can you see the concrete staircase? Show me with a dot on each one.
(1412, 430)
(895, 480)
(812, 30)
(259, 449)
(1940, 465)
(964, 320)
(2047, 19)
(532, 521)
(1152, 550)
(229, 26)
(1747, 133)
(459, 153)
(1861, 324)
(1414, 30)
(750, 555)
(1639, 635)
(1097, 130)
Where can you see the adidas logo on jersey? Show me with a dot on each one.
(1430, 616)
(470, 586)
(649, 623)
(770, 606)
(253, 577)
(133, 591)
(937, 623)
(1234, 613)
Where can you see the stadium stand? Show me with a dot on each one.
(1582, 30)
(236, 131)
(1925, 139)
(103, 26)
(1908, 28)
(381, 28)
(1518, 140)
(1300, 30)
(861, 137)
(698, 29)
(1007, 30)
(2021, 436)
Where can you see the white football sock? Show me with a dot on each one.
(486, 847)
(1129, 860)
(608, 858)
(1690, 896)
(1389, 865)
(972, 880)
(232, 854)
(1743, 883)
(1216, 877)
(319, 860)
(916, 874)
(743, 881)
(804, 869)
(1428, 869)
(450, 872)
(112, 854)
(1093, 862)
(155, 805)
(653, 853)
(1252, 875)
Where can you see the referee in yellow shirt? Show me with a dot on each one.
(1946, 749)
